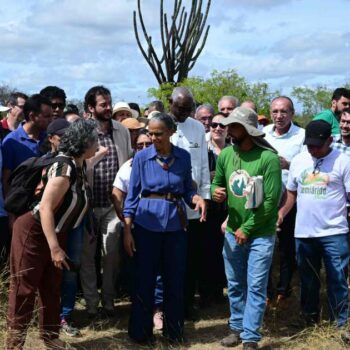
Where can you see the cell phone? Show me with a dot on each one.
(72, 265)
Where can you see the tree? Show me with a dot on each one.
(314, 100)
(217, 85)
(5, 92)
(182, 40)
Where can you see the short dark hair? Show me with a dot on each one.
(286, 98)
(90, 96)
(219, 114)
(135, 106)
(33, 104)
(157, 105)
(339, 93)
(71, 109)
(12, 100)
(78, 137)
(52, 92)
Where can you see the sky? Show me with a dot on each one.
(76, 44)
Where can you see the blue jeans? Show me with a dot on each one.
(70, 279)
(154, 250)
(158, 293)
(334, 250)
(247, 270)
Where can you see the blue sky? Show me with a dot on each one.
(76, 44)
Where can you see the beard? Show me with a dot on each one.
(237, 141)
(103, 117)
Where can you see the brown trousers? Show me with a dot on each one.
(32, 270)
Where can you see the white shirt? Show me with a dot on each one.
(322, 186)
(122, 179)
(287, 145)
(190, 135)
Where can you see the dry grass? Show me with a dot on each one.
(282, 330)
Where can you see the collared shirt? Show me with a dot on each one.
(287, 145)
(147, 176)
(190, 135)
(105, 171)
(18, 147)
(340, 145)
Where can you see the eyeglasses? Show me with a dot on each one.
(317, 167)
(58, 105)
(143, 145)
(156, 134)
(215, 125)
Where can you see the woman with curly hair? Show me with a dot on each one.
(39, 236)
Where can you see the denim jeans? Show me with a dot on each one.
(70, 279)
(158, 293)
(334, 250)
(247, 270)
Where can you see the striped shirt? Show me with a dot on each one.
(75, 202)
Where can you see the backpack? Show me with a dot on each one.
(25, 179)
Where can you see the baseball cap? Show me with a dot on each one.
(57, 127)
(317, 132)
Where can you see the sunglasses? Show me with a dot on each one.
(143, 145)
(156, 134)
(215, 125)
(58, 105)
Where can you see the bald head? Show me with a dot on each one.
(181, 103)
(227, 104)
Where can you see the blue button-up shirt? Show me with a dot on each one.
(18, 147)
(147, 176)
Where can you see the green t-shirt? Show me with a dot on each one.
(328, 116)
(233, 170)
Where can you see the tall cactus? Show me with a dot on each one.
(182, 40)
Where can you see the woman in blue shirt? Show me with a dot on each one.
(160, 180)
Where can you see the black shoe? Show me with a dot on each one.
(233, 339)
(252, 345)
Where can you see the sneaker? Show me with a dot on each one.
(158, 320)
(251, 345)
(233, 339)
(69, 330)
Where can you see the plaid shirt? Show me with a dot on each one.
(340, 146)
(105, 171)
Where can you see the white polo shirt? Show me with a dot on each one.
(287, 145)
(322, 186)
(190, 135)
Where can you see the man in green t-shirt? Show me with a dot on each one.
(340, 102)
(250, 164)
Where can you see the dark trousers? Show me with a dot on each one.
(334, 251)
(32, 270)
(287, 259)
(5, 241)
(212, 277)
(165, 251)
(193, 265)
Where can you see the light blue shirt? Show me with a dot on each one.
(287, 145)
(147, 177)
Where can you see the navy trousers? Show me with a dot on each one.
(158, 251)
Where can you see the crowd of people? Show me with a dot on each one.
(173, 208)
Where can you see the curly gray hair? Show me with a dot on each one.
(79, 136)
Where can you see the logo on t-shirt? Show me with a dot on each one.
(314, 183)
(238, 182)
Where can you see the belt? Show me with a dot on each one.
(168, 196)
(172, 197)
